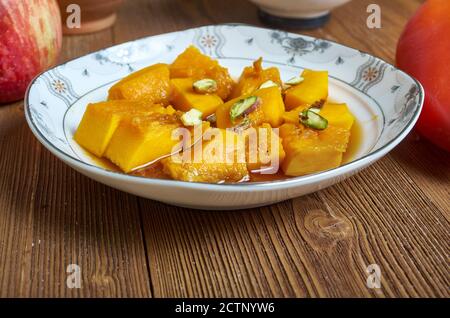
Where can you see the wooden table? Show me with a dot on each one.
(394, 214)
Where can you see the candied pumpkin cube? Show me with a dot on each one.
(293, 116)
(100, 121)
(192, 63)
(142, 139)
(338, 115)
(219, 159)
(313, 88)
(309, 151)
(151, 84)
(270, 110)
(170, 110)
(184, 98)
(264, 150)
(253, 76)
(223, 117)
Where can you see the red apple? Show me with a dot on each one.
(30, 42)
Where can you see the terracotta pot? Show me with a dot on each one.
(96, 15)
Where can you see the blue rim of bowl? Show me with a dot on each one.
(235, 186)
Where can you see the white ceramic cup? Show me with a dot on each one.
(298, 9)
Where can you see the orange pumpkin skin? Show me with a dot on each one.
(192, 63)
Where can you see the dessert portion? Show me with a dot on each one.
(190, 121)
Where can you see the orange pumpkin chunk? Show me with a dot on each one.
(264, 149)
(309, 151)
(142, 139)
(151, 84)
(338, 115)
(218, 160)
(253, 76)
(184, 98)
(192, 63)
(270, 110)
(100, 121)
(293, 116)
(313, 88)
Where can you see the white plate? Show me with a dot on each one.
(385, 101)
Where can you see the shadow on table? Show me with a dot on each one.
(421, 158)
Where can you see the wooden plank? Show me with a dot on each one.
(394, 214)
(428, 166)
(11, 118)
(18, 178)
(51, 216)
(396, 227)
(204, 254)
(319, 246)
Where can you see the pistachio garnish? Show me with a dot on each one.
(211, 118)
(312, 119)
(268, 84)
(245, 124)
(243, 107)
(314, 109)
(294, 81)
(192, 117)
(205, 86)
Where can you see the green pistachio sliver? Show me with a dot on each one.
(313, 120)
(241, 106)
(246, 123)
(315, 110)
(192, 117)
(205, 86)
(268, 84)
(294, 81)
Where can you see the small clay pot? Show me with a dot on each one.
(96, 15)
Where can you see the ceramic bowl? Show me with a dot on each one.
(385, 101)
(304, 9)
(303, 14)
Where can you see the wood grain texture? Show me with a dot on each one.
(51, 216)
(11, 117)
(394, 214)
